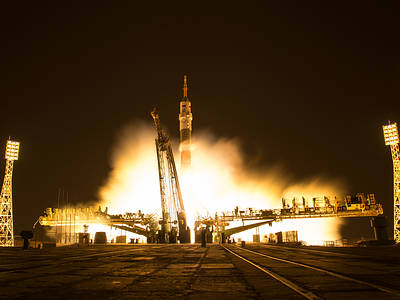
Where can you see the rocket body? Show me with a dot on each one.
(185, 129)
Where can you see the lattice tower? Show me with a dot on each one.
(173, 210)
(6, 210)
(392, 139)
(396, 190)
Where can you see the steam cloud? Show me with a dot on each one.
(218, 181)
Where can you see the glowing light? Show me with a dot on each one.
(12, 150)
(391, 134)
(133, 182)
(112, 233)
(219, 179)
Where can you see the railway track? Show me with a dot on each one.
(312, 251)
(390, 259)
(302, 278)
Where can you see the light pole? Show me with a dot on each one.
(392, 139)
(6, 212)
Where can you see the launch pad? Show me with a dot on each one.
(172, 225)
(68, 222)
(192, 272)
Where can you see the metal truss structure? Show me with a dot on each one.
(6, 210)
(147, 224)
(359, 205)
(391, 135)
(174, 223)
(64, 218)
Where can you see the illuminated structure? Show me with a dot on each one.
(392, 139)
(359, 205)
(73, 220)
(173, 210)
(6, 211)
(66, 223)
(185, 128)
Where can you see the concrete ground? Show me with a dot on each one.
(189, 272)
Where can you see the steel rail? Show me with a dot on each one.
(332, 253)
(298, 289)
(334, 274)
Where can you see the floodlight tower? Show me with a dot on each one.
(392, 138)
(6, 212)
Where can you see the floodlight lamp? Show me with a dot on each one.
(391, 134)
(12, 150)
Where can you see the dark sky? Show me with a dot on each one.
(300, 84)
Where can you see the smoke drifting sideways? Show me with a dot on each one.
(219, 180)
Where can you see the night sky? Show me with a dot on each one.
(303, 85)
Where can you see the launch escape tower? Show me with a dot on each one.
(173, 224)
(185, 128)
(6, 211)
(391, 135)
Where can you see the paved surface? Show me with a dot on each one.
(190, 272)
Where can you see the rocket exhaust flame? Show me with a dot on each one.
(218, 180)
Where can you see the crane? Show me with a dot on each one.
(173, 223)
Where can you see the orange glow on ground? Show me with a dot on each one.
(112, 233)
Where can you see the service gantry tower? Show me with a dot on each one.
(185, 127)
(173, 224)
(392, 139)
(6, 211)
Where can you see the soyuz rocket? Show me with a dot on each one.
(185, 128)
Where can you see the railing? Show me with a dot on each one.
(299, 213)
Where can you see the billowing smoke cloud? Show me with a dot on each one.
(133, 182)
(219, 180)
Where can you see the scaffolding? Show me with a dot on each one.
(72, 221)
(6, 210)
(349, 206)
(174, 224)
(391, 135)
(65, 224)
